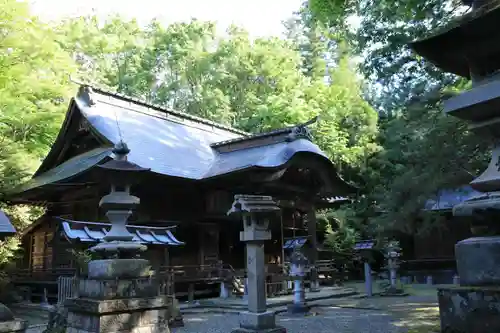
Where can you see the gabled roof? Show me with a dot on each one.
(172, 143)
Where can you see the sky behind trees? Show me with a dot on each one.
(259, 17)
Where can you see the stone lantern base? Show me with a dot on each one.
(17, 326)
(135, 315)
(298, 308)
(119, 297)
(8, 323)
(469, 309)
(264, 322)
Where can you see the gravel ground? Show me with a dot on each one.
(324, 320)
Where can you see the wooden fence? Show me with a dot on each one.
(66, 288)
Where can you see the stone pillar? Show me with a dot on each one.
(392, 274)
(225, 292)
(255, 211)
(313, 257)
(368, 279)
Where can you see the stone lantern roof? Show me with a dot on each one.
(470, 45)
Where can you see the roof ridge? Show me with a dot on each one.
(301, 132)
(163, 109)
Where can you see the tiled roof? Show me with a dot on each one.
(6, 228)
(295, 243)
(170, 143)
(95, 232)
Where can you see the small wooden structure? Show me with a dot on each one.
(196, 167)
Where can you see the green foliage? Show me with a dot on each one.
(34, 87)
(341, 234)
(423, 150)
(81, 258)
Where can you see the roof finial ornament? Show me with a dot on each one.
(121, 150)
(85, 94)
(301, 131)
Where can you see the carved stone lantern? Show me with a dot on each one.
(118, 295)
(119, 204)
(255, 211)
(469, 48)
(298, 271)
(392, 254)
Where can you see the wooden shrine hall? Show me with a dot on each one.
(196, 168)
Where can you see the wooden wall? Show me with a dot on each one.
(203, 225)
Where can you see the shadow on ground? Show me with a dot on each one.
(418, 313)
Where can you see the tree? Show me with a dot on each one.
(423, 149)
(34, 91)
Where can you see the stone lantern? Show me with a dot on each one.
(392, 254)
(469, 48)
(118, 295)
(298, 271)
(255, 212)
(119, 204)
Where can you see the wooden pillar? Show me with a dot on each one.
(313, 257)
(166, 257)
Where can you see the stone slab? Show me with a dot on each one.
(240, 304)
(277, 329)
(87, 305)
(13, 326)
(117, 288)
(477, 104)
(298, 308)
(478, 261)
(139, 315)
(469, 309)
(257, 321)
(138, 329)
(118, 268)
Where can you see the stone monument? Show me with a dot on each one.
(7, 321)
(255, 212)
(118, 295)
(470, 49)
(298, 263)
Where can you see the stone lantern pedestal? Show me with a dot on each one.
(8, 323)
(255, 211)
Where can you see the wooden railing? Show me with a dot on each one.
(40, 275)
(165, 277)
